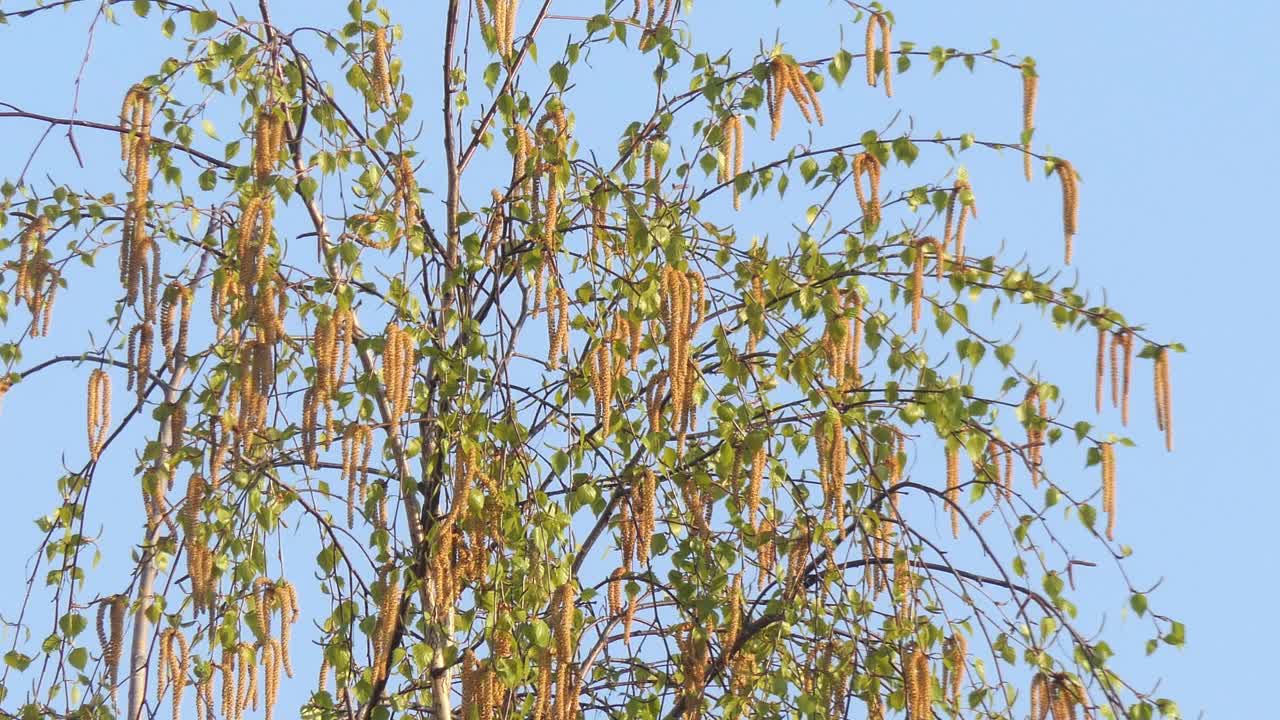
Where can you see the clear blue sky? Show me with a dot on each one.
(1166, 108)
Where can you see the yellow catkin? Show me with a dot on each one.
(1030, 85)
(917, 276)
(615, 591)
(357, 447)
(957, 652)
(388, 620)
(1127, 376)
(1070, 202)
(405, 200)
(731, 155)
(785, 77)
(759, 462)
(953, 488)
(173, 668)
(868, 164)
(381, 70)
(1107, 453)
(1039, 697)
(1036, 411)
(111, 612)
(399, 362)
(955, 225)
(542, 692)
(1117, 340)
(1100, 368)
(230, 703)
(267, 142)
(644, 509)
(37, 280)
(767, 553)
(879, 60)
(917, 684)
(287, 596)
(755, 335)
(1164, 397)
(98, 411)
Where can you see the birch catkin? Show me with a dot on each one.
(1107, 452)
(785, 77)
(957, 651)
(111, 612)
(954, 226)
(1030, 84)
(917, 276)
(953, 488)
(1127, 377)
(869, 200)
(1164, 397)
(1100, 368)
(731, 155)
(1070, 202)
(381, 69)
(99, 411)
(879, 60)
(399, 361)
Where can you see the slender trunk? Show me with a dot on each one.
(147, 575)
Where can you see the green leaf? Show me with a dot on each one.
(202, 21)
(560, 75)
(840, 64)
(905, 150)
(142, 7)
(1004, 354)
(808, 169)
(1138, 602)
(17, 660)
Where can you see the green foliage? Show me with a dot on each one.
(730, 410)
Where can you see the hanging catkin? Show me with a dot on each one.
(173, 667)
(785, 77)
(1035, 410)
(357, 446)
(1030, 84)
(917, 276)
(918, 684)
(37, 281)
(99, 411)
(956, 656)
(504, 23)
(399, 360)
(955, 225)
(1164, 397)
(953, 487)
(381, 71)
(879, 60)
(388, 620)
(754, 335)
(1039, 696)
(731, 155)
(1107, 453)
(683, 311)
(866, 163)
(1100, 368)
(1070, 202)
(111, 612)
(759, 463)
(1127, 375)
(268, 141)
(836, 340)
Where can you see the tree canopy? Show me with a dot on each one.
(779, 452)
